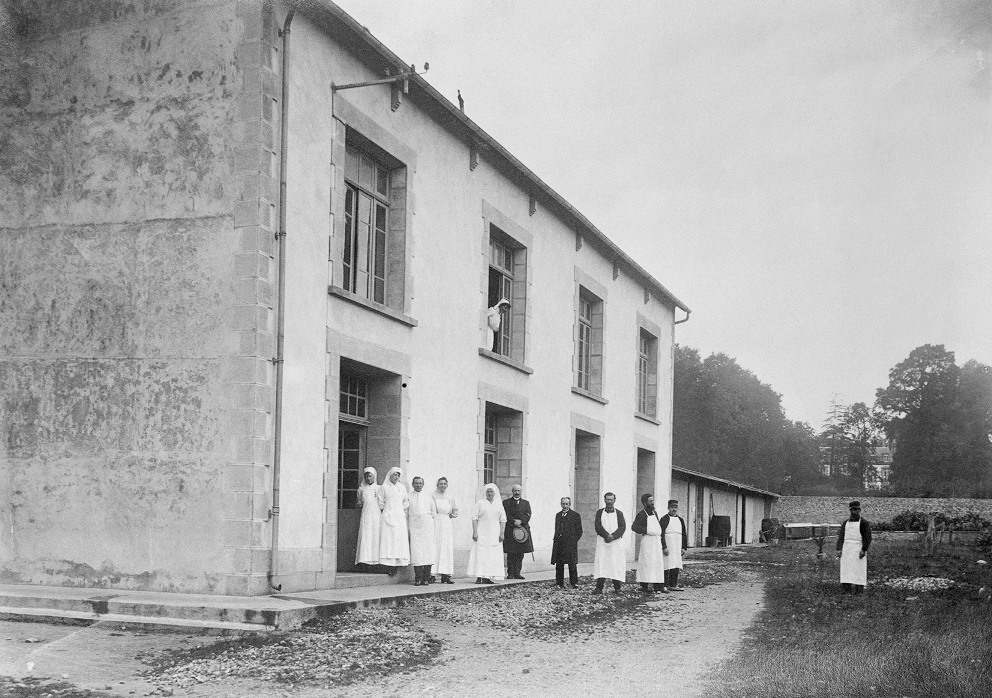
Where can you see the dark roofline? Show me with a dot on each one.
(339, 24)
(731, 483)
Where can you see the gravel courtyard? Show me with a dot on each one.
(529, 637)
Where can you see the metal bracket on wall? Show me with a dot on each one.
(399, 84)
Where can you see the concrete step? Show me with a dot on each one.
(352, 580)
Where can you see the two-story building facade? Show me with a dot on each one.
(304, 287)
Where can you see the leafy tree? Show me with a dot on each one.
(729, 424)
(973, 430)
(918, 407)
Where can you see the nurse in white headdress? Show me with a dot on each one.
(394, 538)
(485, 561)
(371, 502)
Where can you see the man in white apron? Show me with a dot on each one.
(675, 540)
(852, 549)
(651, 561)
(611, 548)
(421, 524)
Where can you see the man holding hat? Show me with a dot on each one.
(675, 539)
(516, 536)
(852, 549)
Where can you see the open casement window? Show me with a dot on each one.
(366, 225)
(501, 286)
(589, 343)
(647, 374)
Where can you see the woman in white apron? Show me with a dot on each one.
(852, 549)
(485, 561)
(370, 500)
(394, 540)
(446, 509)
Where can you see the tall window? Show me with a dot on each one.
(501, 286)
(585, 344)
(366, 225)
(489, 454)
(589, 343)
(647, 374)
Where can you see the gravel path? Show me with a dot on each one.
(666, 648)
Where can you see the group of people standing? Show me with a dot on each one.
(663, 541)
(398, 528)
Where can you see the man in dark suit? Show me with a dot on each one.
(517, 516)
(565, 547)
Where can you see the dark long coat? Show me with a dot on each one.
(517, 509)
(568, 530)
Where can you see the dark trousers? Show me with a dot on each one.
(672, 578)
(573, 574)
(601, 582)
(422, 573)
(657, 586)
(514, 561)
(852, 588)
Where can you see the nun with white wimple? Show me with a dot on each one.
(394, 539)
(485, 561)
(370, 500)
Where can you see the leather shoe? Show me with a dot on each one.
(597, 591)
(575, 586)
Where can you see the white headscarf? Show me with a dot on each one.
(496, 498)
(394, 469)
(375, 475)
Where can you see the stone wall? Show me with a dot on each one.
(830, 509)
(135, 259)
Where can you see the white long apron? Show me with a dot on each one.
(611, 558)
(444, 538)
(421, 518)
(486, 557)
(651, 565)
(853, 570)
(394, 543)
(370, 497)
(673, 539)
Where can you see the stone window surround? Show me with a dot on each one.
(368, 135)
(522, 286)
(511, 401)
(653, 329)
(586, 285)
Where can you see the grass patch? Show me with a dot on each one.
(812, 641)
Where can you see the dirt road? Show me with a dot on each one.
(665, 647)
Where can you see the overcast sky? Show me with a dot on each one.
(813, 179)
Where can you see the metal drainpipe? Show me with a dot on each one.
(685, 319)
(281, 303)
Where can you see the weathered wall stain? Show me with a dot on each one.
(117, 289)
(111, 127)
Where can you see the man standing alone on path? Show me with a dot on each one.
(676, 539)
(852, 549)
(611, 552)
(516, 544)
(565, 547)
(651, 565)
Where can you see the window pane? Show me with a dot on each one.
(365, 169)
(351, 165)
(382, 180)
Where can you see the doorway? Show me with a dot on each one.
(586, 501)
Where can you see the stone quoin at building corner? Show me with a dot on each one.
(228, 285)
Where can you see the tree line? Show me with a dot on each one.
(935, 417)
